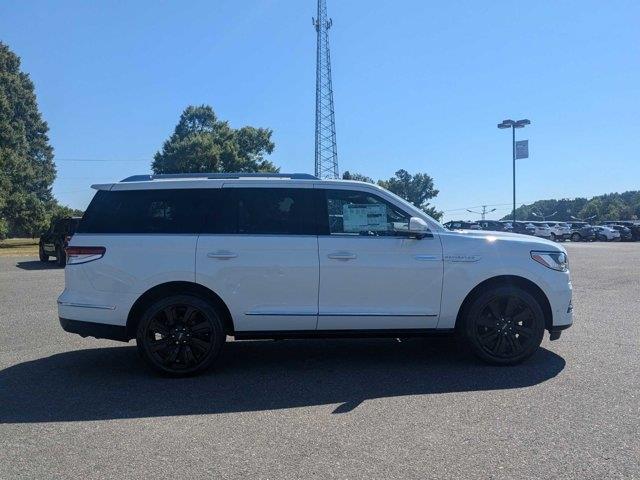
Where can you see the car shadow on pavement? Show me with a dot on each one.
(112, 383)
(38, 265)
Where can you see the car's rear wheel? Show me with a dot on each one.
(553, 237)
(41, 255)
(575, 237)
(61, 257)
(504, 325)
(180, 335)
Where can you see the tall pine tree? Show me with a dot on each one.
(27, 170)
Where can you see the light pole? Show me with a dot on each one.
(513, 125)
(543, 217)
(483, 212)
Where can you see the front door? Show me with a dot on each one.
(372, 275)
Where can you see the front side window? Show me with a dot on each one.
(352, 212)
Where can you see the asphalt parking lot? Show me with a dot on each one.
(422, 408)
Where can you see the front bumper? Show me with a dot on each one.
(554, 333)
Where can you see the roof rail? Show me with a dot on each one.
(169, 176)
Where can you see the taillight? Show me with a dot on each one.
(76, 255)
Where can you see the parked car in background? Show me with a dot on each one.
(462, 225)
(495, 226)
(560, 231)
(633, 225)
(626, 235)
(606, 234)
(524, 228)
(180, 262)
(582, 232)
(54, 241)
(541, 229)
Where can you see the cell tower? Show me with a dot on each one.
(326, 152)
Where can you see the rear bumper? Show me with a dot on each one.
(96, 330)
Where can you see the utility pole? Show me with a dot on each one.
(326, 155)
(484, 211)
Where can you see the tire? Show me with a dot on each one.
(61, 257)
(553, 237)
(180, 335)
(504, 325)
(575, 237)
(41, 255)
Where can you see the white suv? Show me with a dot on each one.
(179, 262)
(560, 231)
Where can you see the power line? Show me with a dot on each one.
(90, 160)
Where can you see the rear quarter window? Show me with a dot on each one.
(144, 211)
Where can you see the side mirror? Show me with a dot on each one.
(418, 228)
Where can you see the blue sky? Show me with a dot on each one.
(418, 85)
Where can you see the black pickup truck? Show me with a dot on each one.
(54, 241)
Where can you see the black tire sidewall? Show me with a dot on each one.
(474, 311)
(61, 258)
(206, 307)
(43, 256)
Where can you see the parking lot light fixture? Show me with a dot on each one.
(513, 124)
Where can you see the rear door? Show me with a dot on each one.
(372, 276)
(259, 253)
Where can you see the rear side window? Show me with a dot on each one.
(275, 211)
(144, 211)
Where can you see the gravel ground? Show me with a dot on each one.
(73, 407)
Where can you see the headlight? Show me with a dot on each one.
(554, 260)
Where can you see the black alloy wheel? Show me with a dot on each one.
(504, 326)
(180, 335)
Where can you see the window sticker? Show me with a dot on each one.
(361, 218)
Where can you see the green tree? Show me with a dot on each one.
(27, 170)
(203, 143)
(416, 189)
(356, 176)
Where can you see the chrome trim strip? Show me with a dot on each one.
(86, 305)
(427, 257)
(376, 314)
(348, 314)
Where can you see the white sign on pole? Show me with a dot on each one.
(522, 149)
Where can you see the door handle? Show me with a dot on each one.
(222, 255)
(342, 256)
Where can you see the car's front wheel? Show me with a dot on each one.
(504, 325)
(575, 237)
(180, 335)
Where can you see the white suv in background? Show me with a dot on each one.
(179, 262)
(541, 229)
(607, 234)
(560, 231)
